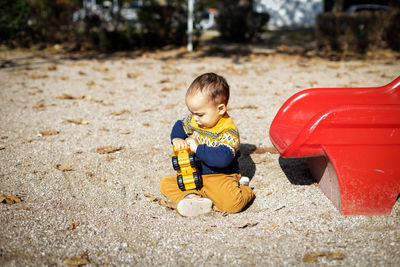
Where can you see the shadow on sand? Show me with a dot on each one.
(297, 171)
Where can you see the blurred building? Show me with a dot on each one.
(290, 12)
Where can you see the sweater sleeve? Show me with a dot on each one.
(220, 156)
(178, 131)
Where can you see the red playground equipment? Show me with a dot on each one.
(352, 139)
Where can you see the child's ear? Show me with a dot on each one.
(221, 109)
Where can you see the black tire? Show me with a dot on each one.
(192, 160)
(180, 182)
(197, 180)
(175, 163)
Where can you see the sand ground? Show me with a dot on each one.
(84, 141)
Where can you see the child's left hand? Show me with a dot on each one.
(192, 144)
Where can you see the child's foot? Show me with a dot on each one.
(194, 206)
(245, 181)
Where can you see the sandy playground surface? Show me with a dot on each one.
(84, 142)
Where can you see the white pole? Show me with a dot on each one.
(190, 25)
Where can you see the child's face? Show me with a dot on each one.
(205, 112)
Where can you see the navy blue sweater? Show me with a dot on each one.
(212, 160)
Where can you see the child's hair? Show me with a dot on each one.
(214, 85)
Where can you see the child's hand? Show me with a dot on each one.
(193, 144)
(179, 143)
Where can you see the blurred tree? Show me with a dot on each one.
(14, 17)
(236, 20)
(24, 22)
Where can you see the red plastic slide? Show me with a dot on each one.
(352, 137)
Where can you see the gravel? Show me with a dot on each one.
(105, 211)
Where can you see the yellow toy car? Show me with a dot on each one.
(187, 176)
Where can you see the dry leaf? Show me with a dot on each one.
(161, 202)
(262, 150)
(132, 75)
(247, 225)
(110, 158)
(39, 106)
(165, 81)
(147, 110)
(77, 260)
(108, 149)
(78, 122)
(24, 208)
(69, 97)
(73, 226)
(90, 83)
(10, 199)
(63, 168)
(38, 76)
(52, 68)
(109, 79)
(313, 256)
(81, 73)
(49, 132)
(118, 113)
(244, 107)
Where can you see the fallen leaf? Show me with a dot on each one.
(244, 107)
(248, 225)
(52, 68)
(73, 226)
(161, 202)
(165, 81)
(63, 168)
(24, 208)
(147, 110)
(132, 75)
(109, 79)
(90, 83)
(70, 97)
(49, 132)
(78, 122)
(313, 256)
(81, 73)
(41, 105)
(262, 150)
(110, 158)
(10, 199)
(77, 260)
(108, 149)
(119, 113)
(38, 76)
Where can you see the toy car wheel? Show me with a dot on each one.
(180, 182)
(192, 160)
(175, 163)
(197, 180)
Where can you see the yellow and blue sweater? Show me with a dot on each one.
(218, 148)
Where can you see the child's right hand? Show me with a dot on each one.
(179, 143)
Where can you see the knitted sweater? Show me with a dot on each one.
(218, 148)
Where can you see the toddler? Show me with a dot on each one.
(213, 137)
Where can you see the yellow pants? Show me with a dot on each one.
(223, 190)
